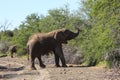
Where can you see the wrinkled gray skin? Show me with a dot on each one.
(42, 43)
(12, 50)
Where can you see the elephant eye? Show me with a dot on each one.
(64, 34)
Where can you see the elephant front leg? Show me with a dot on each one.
(63, 60)
(40, 62)
(57, 60)
(59, 53)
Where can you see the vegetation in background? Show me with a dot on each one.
(99, 21)
(103, 32)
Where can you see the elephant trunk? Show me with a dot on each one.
(73, 35)
(76, 34)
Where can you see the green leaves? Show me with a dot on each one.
(100, 38)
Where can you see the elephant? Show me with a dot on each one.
(12, 50)
(42, 43)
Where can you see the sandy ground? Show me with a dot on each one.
(18, 69)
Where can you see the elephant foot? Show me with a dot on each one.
(33, 68)
(64, 65)
(42, 66)
(57, 65)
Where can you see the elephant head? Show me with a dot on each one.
(63, 35)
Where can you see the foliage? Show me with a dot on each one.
(99, 37)
(113, 58)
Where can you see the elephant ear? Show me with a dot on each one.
(60, 37)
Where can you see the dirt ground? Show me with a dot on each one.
(18, 69)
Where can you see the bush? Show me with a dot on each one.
(21, 51)
(113, 58)
(4, 46)
(73, 55)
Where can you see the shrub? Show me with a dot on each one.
(113, 58)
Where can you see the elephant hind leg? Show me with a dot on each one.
(32, 63)
(40, 62)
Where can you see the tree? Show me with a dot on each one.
(103, 32)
